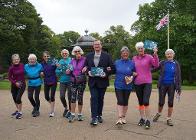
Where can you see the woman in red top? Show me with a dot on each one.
(17, 79)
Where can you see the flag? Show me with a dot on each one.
(149, 44)
(164, 21)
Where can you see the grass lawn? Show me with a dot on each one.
(5, 85)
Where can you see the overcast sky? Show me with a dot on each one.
(94, 15)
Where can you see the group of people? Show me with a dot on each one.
(72, 74)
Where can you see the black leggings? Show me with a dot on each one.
(50, 96)
(35, 102)
(122, 96)
(17, 93)
(77, 92)
(170, 91)
(143, 93)
(63, 88)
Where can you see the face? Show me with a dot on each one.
(16, 60)
(77, 53)
(125, 55)
(169, 56)
(97, 46)
(32, 61)
(64, 54)
(140, 50)
(46, 57)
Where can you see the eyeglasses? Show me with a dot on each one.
(47, 56)
(77, 51)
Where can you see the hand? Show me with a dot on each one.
(103, 75)
(84, 69)
(155, 50)
(68, 71)
(134, 74)
(17, 84)
(58, 65)
(89, 73)
(41, 74)
(109, 69)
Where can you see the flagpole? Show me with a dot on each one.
(168, 32)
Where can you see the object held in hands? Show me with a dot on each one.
(97, 71)
(148, 44)
(52, 61)
(128, 79)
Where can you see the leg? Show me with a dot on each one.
(119, 96)
(94, 101)
(52, 97)
(69, 94)
(126, 100)
(19, 96)
(139, 93)
(62, 95)
(46, 92)
(37, 101)
(171, 92)
(101, 93)
(146, 98)
(73, 97)
(30, 95)
(81, 89)
(14, 91)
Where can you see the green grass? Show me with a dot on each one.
(5, 85)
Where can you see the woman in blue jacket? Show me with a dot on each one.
(65, 81)
(34, 71)
(124, 69)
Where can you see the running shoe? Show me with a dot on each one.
(51, 114)
(100, 119)
(169, 122)
(156, 117)
(124, 120)
(36, 114)
(18, 115)
(147, 124)
(94, 122)
(65, 112)
(71, 118)
(14, 114)
(80, 117)
(141, 122)
(119, 122)
(67, 115)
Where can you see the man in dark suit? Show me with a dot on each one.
(98, 83)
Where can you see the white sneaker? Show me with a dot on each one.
(51, 114)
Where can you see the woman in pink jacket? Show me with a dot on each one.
(143, 81)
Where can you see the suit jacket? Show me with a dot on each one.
(105, 61)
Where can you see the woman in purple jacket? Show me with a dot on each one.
(50, 80)
(169, 82)
(78, 82)
(18, 85)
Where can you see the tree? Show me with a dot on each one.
(115, 38)
(182, 30)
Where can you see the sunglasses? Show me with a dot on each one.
(77, 51)
(47, 56)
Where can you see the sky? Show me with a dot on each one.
(93, 15)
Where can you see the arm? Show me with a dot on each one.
(179, 82)
(10, 76)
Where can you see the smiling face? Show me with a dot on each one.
(32, 61)
(125, 55)
(97, 46)
(140, 50)
(46, 57)
(16, 60)
(169, 56)
(77, 54)
(64, 54)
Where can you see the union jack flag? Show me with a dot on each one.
(164, 21)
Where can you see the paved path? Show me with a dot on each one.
(57, 128)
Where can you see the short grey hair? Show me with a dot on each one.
(169, 51)
(14, 56)
(65, 50)
(124, 48)
(77, 48)
(138, 45)
(32, 56)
